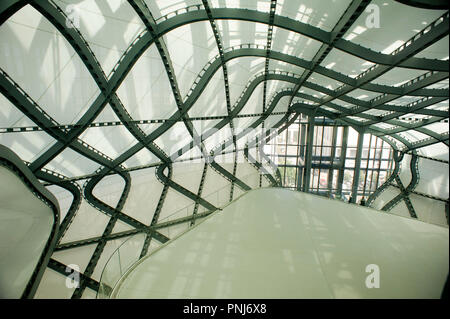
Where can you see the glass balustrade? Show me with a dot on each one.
(171, 226)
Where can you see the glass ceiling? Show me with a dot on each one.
(117, 94)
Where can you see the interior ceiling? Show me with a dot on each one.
(94, 89)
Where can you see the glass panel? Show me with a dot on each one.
(289, 149)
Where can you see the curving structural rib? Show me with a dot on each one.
(279, 90)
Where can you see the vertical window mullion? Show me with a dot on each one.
(367, 166)
(379, 164)
(321, 153)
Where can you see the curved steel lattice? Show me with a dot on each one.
(382, 116)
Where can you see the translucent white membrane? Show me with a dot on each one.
(27, 145)
(276, 65)
(343, 103)
(432, 180)
(71, 163)
(88, 222)
(405, 100)
(268, 167)
(249, 135)
(294, 44)
(315, 13)
(363, 95)
(253, 152)
(297, 99)
(255, 102)
(43, 63)
(429, 210)
(439, 85)
(213, 182)
(357, 118)
(120, 227)
(11, 116)
(192, 153)
(160, 8)
(237, 192)
(438, 50)
(204, 126)
(402, 21)
(174, 138)
(229, 156)
(143, 157)
(397, 143)
(261, 5)
(235, 32)
(389, 193)
(226, 161)
(326, 108)
(144, 195)
(345, 63)
(400, 209)
(188, 175)
(283, 104)
(438, 150)
(64, 198)
(148, 128)
(176, 205)
(273, 87)
(438, 127)
(212, 101)
(398, 76)
(89, 294)
(374, 112)
(405, 171)
(146, 92)
(243, 125)
(109, 189)
(53, 286)
(240, 72)
(190, 48)
(174, 230)
(439, 106)
(324, 81)
(108, 26)
(272, 121)
(311, 93)
(413, 135)
(110, 140)
(78, 255)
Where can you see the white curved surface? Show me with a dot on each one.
(276, 243)
(25, 226)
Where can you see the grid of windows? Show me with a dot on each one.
(333, 159)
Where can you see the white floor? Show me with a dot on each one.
(276, 243)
